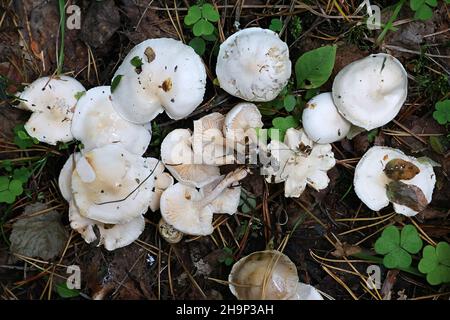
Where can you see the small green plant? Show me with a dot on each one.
(227, 256)
(397, 246)
(280, 126)
(276, 25)
(423, 8)
(115, 82)
(22, 139)
(64, 292)
(435, 263)
(11, 184)
(201, 19)
(295, 27)
(314, 67)
(442, 113)
(371, 135)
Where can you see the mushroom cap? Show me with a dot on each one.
(370, 92)
(111, 236)
(321, 120)
(264, 275)
(253, 64)
(370, 180)
(169, 233)
(95, 123)
(179, 209)
(65, 176)
(228, 200)
(300, 162)
(178, 157)
(52, 101)
(119, 186)
(240, 119)
(172, 77)
(306, 292)
(162, 182)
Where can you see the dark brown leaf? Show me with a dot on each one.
(398, 169)
(406, 195)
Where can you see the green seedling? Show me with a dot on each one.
(22, 139)
(435, 263)
(201, 19)
(442, 113)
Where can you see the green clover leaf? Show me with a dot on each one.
(280, 126)
(435, 263)
(289, 102)
(442, 113)
(276, 25)
(7, 197)
(194, 14)
(210, 13)
(422, 8)
(397, 246)
(198, 44)
(203, 27)
(15, 187)
(22, 139)
(21, 174)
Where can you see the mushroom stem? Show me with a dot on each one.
(231, 178)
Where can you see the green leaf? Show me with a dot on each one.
(115, 82)
(79, 94)
(311, 93)
(410, 239)
(390, 239)
(210, 13)
(15, 187)
(314, 67)
(136, 62)
(432, 3)
(198, 44)
(429, 260)
(285, 123)
(203, 27)
(416, 4)
(443, 253)
(194, 14)
(276, 25)
(437, 145)
(65, 292)
(228, 261)
(397, 258)
(7, 165)
(4, 183)
(371, 135)
(442, 113)
(22, 135)
(7, 197)
(289, 102)
(21, 174)
(424, 13)
(210, 37)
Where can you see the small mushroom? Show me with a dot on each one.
(298, 162)
(253, 64)
(178, 157)
(95, 123)
(52, 101)
(370, 92)
(168, 232)
(241, 121)
(321, 120)
(268, 275)
(162, 182)
(65, 176)
(113, 186)
(157, 75)
(370, 179)
(191, 211)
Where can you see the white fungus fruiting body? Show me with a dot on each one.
(120, 188)
(95, 123)
(298, 162)
(241, 121)
(370, 179)
(178, 157)
(253, 64)
(268, 275)
(169, 233)
(65, 176)
(370, 92)
(157, 75)
(321, 120)
(52, 101)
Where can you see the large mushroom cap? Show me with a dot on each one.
(52, 101)
(370, 179)
(157, 75)
(370, 92)
(264, 275)
(95, 123)
(113, 186)
(321, 120)
(253, 64)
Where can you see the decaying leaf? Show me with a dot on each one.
(345, 250)
(406, 195)
(398, 169)
(40, 235)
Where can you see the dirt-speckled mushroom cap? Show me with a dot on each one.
(157, 75)
(321, 120)
(370, 179)
(65, 176)
(95, 123)
(253, 64)
(168, 232)
(52, 101)
(113, 186)
(264, 275)
(371, 91)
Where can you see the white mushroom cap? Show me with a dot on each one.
(190, 210)
(306, 292)
(162, 182)
(121, 188)
(172, 77)
(65, 176)
(321, 120)
(299, 162)
(370, 92)
(370, 180)
(253, 64)
(95, 123)
(264, 275)
(240, 119)
(52, 101)
(178, 157)
(111, 236)
(228, 200)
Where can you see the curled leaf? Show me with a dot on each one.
(398, 169)
(406, 195)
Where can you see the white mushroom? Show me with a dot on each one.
(253, 64)
(162, 182)
(52, 101)
(370, 179)
(168, 232)
(321, 120)
(95, 123)
(268, 275)
(298, 162)
(178, 157)
(241, 121)
(191, 211)
(157, 75)
(65, 176)
(119, 185)
(370, 92)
